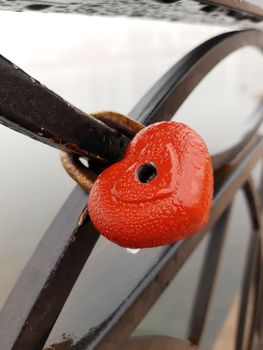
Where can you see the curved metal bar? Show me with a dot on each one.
(207, 277)
(122, 123)
(47, 279)
(128, 316)
(30, 330)
(79, 172)
(171, 90)
(30, 108)
(221, 159)
(252, 282)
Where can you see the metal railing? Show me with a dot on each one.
(40, 293)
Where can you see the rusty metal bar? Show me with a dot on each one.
(30, 108)
(44, 285)
(23, 333)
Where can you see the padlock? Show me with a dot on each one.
(159, 193)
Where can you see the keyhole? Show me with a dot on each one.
(146, 173)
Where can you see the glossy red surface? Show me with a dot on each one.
(173, 204)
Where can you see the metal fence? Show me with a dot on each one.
(40, 293)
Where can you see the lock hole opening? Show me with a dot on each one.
(146, 173)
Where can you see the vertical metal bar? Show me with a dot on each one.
(207, 278)
(246, 322)
(261, 185)
(248, 325)
(48, 278)
(253, 201)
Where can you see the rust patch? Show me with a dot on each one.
(84, 176)
(127, 126)
(81, 174)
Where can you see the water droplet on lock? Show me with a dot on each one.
(132, 251)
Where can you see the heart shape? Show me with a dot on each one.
(160, 192)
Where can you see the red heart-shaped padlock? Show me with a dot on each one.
(160, 192)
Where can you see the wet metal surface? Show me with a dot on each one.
(30, 108)
(72, 164)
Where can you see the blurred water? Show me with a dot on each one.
(104, 64)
